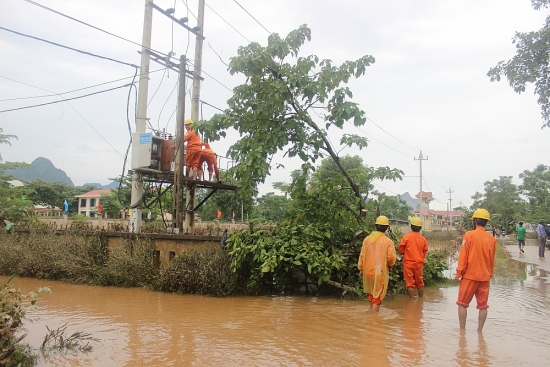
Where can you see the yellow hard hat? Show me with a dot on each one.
(382, 220)
(188, 122)
(481, 214)
(416, 222)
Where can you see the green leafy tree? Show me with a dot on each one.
(271, 207)
(502, 199)
(391, 206)
(5, 139)
(530, 64)
(273, 111)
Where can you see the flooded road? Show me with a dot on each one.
(142, 328)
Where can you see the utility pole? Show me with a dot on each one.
(177, 215)
(141, 118)
(195, 97)
(450, 192)
(195, 100)
(420, 159)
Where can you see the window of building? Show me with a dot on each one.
(83, 212)
(92, 202)
(83, 203)
(172, 255)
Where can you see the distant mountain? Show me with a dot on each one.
(41, 169)
(412, 202)
(98, 186)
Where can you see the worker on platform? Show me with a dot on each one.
(211, 159)
(414, 247)
(193, 152)
(376, 258)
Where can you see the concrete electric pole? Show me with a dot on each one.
(177, 215)
(450, 192)
(141, 118)
(420, 159)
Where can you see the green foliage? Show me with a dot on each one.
(530, 64)
(13, 306)
(501, 198)
(57, 340)
(202, 272)
(271, 255)
(76, 258)
(271, 207)
(273, 110)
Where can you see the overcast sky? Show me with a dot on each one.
(428, 89)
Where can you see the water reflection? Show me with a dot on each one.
(476, 355)
(142, 328)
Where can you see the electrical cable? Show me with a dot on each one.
(402, 142)
(74, 109)
(167, 99)
(72, 91)
(229, 24)
(210, 76)
(208, 104)
(432, 169)
(154, 94)
(252, 16)
(64, 100)
(189, 11)
(89, 25)
(373, 138)
(69, 48)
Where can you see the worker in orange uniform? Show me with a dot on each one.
(476, 265)
(211, 159)
(377, 257)
(194, 147)
(414, 247)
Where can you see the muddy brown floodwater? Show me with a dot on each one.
(137, 327)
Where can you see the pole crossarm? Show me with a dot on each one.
(181, 21)
(169, 64)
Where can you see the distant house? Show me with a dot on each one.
(88, 202)
(46, 211)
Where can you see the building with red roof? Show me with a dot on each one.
(89, 201)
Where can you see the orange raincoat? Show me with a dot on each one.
(377, 256)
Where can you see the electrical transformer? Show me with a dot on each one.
(150, 151)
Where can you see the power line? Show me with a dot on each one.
(402, 142)
(229, 24)
(60, 94)
(252, 17)
(89, 25)
(64, 100)
(74, 109)
(211, 77)
(69, 48)
(437, 178)
(392, 148)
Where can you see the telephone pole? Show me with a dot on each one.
(420, 159)
(195, 98)
(177, 215)
(450, 192)
(141, 118)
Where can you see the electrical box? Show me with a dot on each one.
(167, 155)
(146, 151)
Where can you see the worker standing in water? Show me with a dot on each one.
(476, 265)
(414, 247)
(376, 258)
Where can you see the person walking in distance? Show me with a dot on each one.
(520, 235)
(476, 265)
(541, 233)
(414, 247)
(376, 258)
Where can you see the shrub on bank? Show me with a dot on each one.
(76, 258)
(202, 272)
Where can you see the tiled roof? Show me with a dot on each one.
(93, 193)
